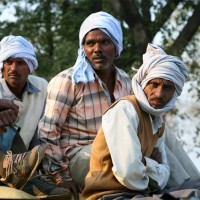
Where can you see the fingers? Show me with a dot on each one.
(14, 107)
(156, 150)
(156, 155)
(7, 117)
(8, 104)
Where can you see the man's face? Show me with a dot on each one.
(159, 92)
(99, 49)
(15, 72)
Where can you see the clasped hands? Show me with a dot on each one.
(156, 155)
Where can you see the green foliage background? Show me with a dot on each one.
(53, 28)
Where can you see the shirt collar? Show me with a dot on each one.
(117, 76)
(7, 94)
(156, 123)
(30, 88)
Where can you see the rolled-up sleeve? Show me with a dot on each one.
(155, 170)
(57, 107)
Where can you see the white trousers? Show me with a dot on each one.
(79, 164)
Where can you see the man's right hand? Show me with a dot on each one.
(8, 104)
(8, 113)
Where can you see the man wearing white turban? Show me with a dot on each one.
(22, 99)
(128, 156)
(77, 98)
(18, 88)
(19, 93)
(18, 47)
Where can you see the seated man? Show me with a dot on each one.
(77, 98)
(72, 119)
(22, 99)
(19, 94)
(128, 156)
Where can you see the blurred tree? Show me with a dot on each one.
(53, 27)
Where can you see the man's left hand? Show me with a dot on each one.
(156, 155)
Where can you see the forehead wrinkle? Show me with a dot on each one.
(164, 81)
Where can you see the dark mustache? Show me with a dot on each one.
(14, 74)
(99, 56)
(158, 99)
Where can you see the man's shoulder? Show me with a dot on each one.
(122, 72)
(38, 82)
(66, 73)
(123, 77)
(63, 75)
(2, 80)
(128, 98)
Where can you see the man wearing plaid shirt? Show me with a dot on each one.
(78, 97)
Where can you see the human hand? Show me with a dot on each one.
(156, 155)
(7, 117)
(8, 113)
(2, 129)
(8, 104)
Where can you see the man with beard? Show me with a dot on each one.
(22, 100)
(77, 98)
(128, 155)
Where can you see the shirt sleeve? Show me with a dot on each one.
(120, 125)
(155, 170)
(59, 99)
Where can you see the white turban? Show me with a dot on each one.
(18, 47)
(157, 64)
(108, 24)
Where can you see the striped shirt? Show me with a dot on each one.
(73, 114)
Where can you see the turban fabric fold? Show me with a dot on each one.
(83, 71)
(157, 64)
(18, 47)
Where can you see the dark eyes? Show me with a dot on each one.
(106, 42)
(92, 43)
(154, 84)
(169, 87)
(10, 62)
(89, 43)
(22, 62)
(165, 86)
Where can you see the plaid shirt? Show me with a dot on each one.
(73, 114)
